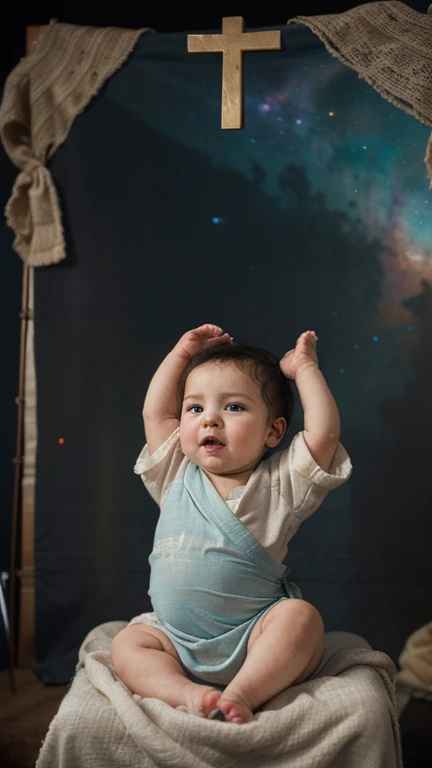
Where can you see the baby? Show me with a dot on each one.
(229, 630)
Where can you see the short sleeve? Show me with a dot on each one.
(159, 470)
(303, 483)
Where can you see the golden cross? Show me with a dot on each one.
(232, 42)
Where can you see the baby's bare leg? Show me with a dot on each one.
(284, 648)
(147, 662)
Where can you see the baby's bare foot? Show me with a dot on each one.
(200, 699)
(235, 708)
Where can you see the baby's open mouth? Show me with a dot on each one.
(212, 444)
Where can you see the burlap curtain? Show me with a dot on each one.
(387, 43)
(43, 95)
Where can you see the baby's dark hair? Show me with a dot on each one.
(262, 365)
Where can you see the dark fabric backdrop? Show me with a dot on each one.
(313, 216)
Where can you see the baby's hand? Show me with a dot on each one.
(202, 338)
(303, 356)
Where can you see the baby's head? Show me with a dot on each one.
(238, 396)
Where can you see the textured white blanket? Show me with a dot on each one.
(345, 717)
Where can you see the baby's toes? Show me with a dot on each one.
(210, 701)
(235, 712)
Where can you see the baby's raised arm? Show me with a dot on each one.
(321, 416)
(159, 411)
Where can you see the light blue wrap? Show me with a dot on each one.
(211, 580)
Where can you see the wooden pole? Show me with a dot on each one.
(21, 593)
(18, 460)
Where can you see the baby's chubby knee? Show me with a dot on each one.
(128, 642)
(121, 645)
(304, 614)
(309, 614)
(127, 646)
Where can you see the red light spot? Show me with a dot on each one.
(335, 314)
(60, 441)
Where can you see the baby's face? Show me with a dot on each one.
(224, 404)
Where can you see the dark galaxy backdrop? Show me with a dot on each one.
(316, 215)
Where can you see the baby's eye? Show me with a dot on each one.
(192, 407)
(235, 406)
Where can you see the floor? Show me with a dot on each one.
(25, 717)
(416, 727)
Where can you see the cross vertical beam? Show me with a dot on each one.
(231, 43)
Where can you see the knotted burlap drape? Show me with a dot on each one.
(387, 43)
(43, 96)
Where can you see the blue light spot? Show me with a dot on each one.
(375, 338)
(298, 90)
(410, 328)
(341, 370)
(252, 141)
(215, 220)
(281, 132)
(133, 106)
(364, 147)
(356, 346)
(299, 122)
(279, 118)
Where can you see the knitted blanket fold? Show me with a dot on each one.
(343, 717)
(43, 96)
(389, 45)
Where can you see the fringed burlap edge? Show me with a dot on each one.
(388, 44)
(43, 95)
